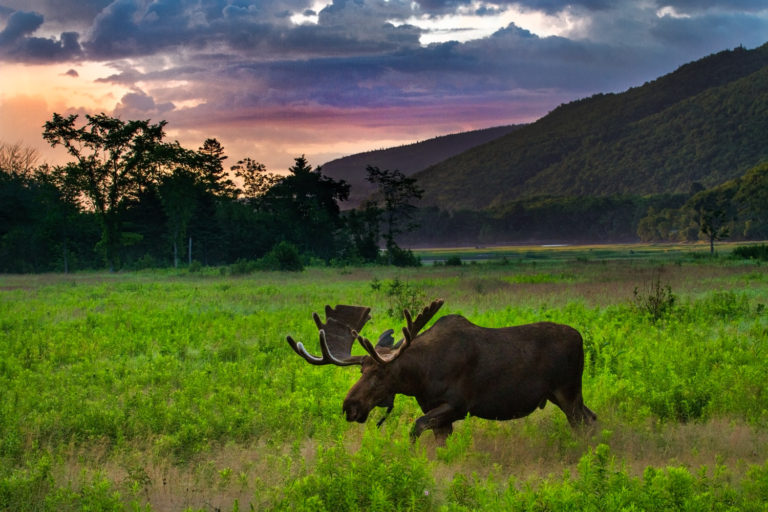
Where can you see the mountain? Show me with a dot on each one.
(408, 159)
(705, 123)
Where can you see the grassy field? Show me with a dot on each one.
(169, 390)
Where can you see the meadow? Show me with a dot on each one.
(176, 390)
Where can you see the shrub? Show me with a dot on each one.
(360, 481)
(283, 256)
(751, 252)
(453, 261)
(242, 267)
(402, 257)
(401, 295)
(657, 301)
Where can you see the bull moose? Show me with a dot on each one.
(455, 368)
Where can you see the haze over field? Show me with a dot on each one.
(279, 78)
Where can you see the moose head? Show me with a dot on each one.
(380, 372)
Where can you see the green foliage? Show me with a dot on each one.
(453, 261)
(112, 383)
(705, 122)
(401, 295)
(402, 257)
(752, 252)
(657, 301)
(283, 256)
(385, 474)
(602, 484)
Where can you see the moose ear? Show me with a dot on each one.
(386, 340)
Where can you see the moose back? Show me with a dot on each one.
(455, 367)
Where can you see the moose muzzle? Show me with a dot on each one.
(355, 411)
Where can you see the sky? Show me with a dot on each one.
(276, 79)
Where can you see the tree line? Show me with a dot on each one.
(129, 199)
(735, 210)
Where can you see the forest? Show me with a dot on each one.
(704, 123)
(128, 199)
(736, 210)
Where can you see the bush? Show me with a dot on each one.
(283, 256)
(402, 257)
(242, 267)
(401, 295)
(360, 481)
(751, 252)
(453, 261)
(657, 301)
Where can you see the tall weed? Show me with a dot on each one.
(386, 474)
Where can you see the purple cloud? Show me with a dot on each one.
(16, 42)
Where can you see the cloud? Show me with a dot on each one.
(266, 65)
(20, 24)
(139, 104)
(712, 30)
(698, 6)
(71, 72)
(16, 42)
(60, 12)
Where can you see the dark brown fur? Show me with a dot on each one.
(457, 368)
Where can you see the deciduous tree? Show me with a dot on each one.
(396, 192)
(111, 162)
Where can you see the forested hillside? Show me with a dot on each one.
(408, 159)
(705, 123)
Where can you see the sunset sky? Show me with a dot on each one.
(274, 79)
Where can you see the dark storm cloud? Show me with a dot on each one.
(20, 24)
(697, 6)
(129, 28)
(717, 30)
(364, 53)
(17, 43)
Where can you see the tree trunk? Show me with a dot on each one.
(66, 259)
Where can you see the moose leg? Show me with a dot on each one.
(439, 419)
(571, 402)
(442, 433)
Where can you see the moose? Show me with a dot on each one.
(455, 368)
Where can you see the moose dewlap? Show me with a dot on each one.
(455, 367)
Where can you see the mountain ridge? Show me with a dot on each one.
(705, 122)
(408, 158)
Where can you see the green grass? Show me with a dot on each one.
(665, 252)
(165, 390)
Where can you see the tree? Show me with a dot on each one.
(396, 191)
(363, 226)
(18, 159)
(714, 213)
(210, 164)
(256, 180)
(304, 205)
(36, 222)
(752, 200)
(111, 164)
(178, 193)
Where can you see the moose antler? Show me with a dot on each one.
(409, 332)
(336, 335)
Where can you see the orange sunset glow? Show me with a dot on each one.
(277, 79)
